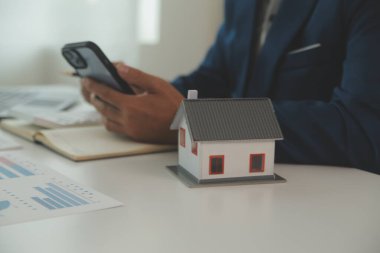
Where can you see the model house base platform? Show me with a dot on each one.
(192, 182)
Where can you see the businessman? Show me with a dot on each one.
(318, 60)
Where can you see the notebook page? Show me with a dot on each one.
(96, 142)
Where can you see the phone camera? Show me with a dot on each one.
(74, 59)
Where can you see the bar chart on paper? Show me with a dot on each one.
(56, 197)
(11, 169)
(29, 192)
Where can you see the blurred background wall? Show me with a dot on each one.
(188, 28)
(32, 33)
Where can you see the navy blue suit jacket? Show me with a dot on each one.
(327, 99)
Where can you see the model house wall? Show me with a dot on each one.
(186, 158)
(236, 156)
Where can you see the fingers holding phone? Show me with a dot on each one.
(85, 92)
(131, 102)
(143, 117)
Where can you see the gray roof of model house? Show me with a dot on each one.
(229, 119)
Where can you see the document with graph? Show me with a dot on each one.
(31, 192)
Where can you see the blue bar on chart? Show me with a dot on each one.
(53, 197)
(18, 168)
(7, 173)
(21, 170)
(43, 203)
(65, 198)
(52, 203)
(58, 197)
(68, 194)
(12, 169)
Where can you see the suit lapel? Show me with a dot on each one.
(289, 20)
(244, 26)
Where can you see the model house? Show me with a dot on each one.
(227, 139)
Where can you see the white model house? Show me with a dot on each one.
(227, 139)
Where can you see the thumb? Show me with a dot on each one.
(139, 79)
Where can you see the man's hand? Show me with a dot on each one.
(145, 116)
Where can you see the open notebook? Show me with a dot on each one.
(82, 143)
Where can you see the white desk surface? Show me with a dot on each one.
(319, 209)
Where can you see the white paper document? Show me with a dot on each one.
(30, 192)
(7, 143)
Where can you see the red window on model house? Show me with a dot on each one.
(194, 148)
(182, 137)
(256, 163)
(216, 165)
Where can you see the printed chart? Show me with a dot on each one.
(29, 192)
(10, 169)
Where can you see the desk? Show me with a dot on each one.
(319, 209)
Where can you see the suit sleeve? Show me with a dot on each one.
(346, 130)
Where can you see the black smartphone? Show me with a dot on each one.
(88, 60)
